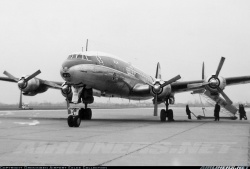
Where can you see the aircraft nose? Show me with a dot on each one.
(65, 72)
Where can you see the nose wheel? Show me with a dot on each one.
(77, 114)
(168, 113)
(74, 121)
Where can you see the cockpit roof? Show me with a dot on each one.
(96, 53)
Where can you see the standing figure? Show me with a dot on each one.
(188, 112)
(245, 116)
(241, 111)
(244, 112)
(217, 112)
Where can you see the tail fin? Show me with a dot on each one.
(158, 71)
(203, 71)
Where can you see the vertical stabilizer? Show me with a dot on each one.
(203, 71)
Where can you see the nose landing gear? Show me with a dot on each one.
(85, 113)
(74, 120)
(168, 113)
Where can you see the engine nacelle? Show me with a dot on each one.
(163, 93)
(215, 82)
(31, 86)
(66, 90)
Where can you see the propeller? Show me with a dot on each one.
(157, 88)
(22, 83)
(219, 66)
(216, 76)
(67, 101)
(10, 76)
(156, 85)
(214, 82)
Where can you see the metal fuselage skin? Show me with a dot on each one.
(105, 73)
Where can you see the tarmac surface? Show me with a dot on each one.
(122, 137)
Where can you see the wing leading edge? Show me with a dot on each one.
(49, 84)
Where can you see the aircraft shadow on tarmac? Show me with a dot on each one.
(129, 120)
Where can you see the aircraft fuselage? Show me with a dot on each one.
(106, 73)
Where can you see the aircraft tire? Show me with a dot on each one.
(70, 121)
(88, 114)
(170, 115)
(76, 121)
(163, 115)
(82, 114)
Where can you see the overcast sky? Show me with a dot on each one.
(180, 34)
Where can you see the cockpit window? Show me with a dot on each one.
(79, 56)
(69, 56)
(73, 56)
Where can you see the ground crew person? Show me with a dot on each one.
(242, 112)
(188, 112)
(217, 112)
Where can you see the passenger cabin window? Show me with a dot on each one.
(79, 57)
(84, 57)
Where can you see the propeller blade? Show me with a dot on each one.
(158, 71)
(20, 100)
(171, 81)
(156, 106)
(68, 106)
(10, 76)
(33, 75)
(220, 66)
(203, 71)
(225, 96)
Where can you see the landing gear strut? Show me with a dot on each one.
(77, 112)
(168, 113)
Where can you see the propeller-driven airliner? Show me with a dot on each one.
(89, 73)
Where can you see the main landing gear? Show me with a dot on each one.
(83, 114)
(168, 113)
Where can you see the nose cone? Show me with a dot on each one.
(65, 72)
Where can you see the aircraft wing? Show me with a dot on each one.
(178, 87)
(185, 86)
(237, 80)
(50, 84)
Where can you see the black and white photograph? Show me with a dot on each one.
(125, 83)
